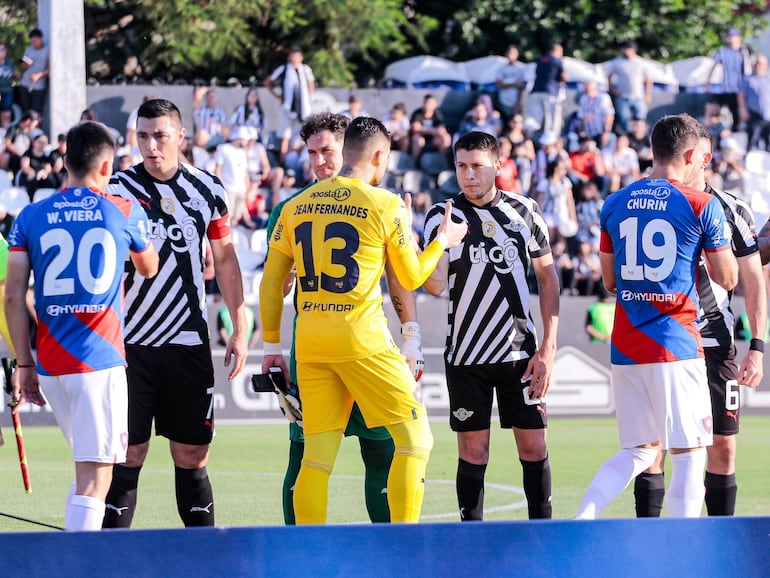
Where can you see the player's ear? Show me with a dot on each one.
(105, 169)
(688, 154)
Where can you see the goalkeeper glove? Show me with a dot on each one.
(410, 348)
(288, 398)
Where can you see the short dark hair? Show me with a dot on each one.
(35, 33)
(334, 123)
(673, 135)
(87, 143)
(362, 133)
(158, 107)
(477, 140)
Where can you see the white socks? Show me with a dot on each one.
(686, 491)
(612, 478)
(83, 513)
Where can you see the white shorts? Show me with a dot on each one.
(92, 412)
(669, 402)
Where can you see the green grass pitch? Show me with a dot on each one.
(247, 465)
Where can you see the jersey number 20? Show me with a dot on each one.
(53, 281)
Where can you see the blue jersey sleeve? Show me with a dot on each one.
(716, 227)
(138, 228)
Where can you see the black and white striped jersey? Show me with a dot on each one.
(489, 302)
(716, 319)
(170, 308)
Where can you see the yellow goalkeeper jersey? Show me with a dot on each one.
(338, 232)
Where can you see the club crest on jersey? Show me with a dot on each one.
(488, 228)
(167, 206)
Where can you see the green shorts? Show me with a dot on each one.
(356, 427)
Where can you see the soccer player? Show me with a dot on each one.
(724, 375)
(170, 371)
(324, 134)
(339, 233)
(658, 372)
(75, 242)
(491, 340)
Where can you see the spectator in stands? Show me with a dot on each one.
(421, 202)
(397, 123)
(728, 165)
(296, 82)
(355, 107)
(588, 208)
(232, 170)
(639, 140)
(515, 131)
(33, 86)
(261, 172)
(550, 151)
(754, 104)
(587, 164)
(507, 177)
(89, 115)
(478, 119)
(554, 195)
(7, 78)
(630, 86)
(544, 104)
(428, 131)
(207, 115)
(735, 58)
(621, 164)
(523, 154)
(511, 80)
(37, 168)
(595, 115)
(586, 271)
(249, 113)
(18, 139)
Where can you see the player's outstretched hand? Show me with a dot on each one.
(454, 231)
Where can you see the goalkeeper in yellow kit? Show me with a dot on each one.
(339, 233)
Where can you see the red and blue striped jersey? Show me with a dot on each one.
(77, 242)
(656, 230)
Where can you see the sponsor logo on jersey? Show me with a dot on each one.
(167, 206)
(309, 306)
(502, 257)
(336, 194)
(649, 296)
(89, 203)
(56, 310)
(194, 204)
(181, 235)
(462, 414)
(657, 192)
(488, 228)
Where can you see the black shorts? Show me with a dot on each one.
(722, 372)
(174, 384)
(470, 397)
